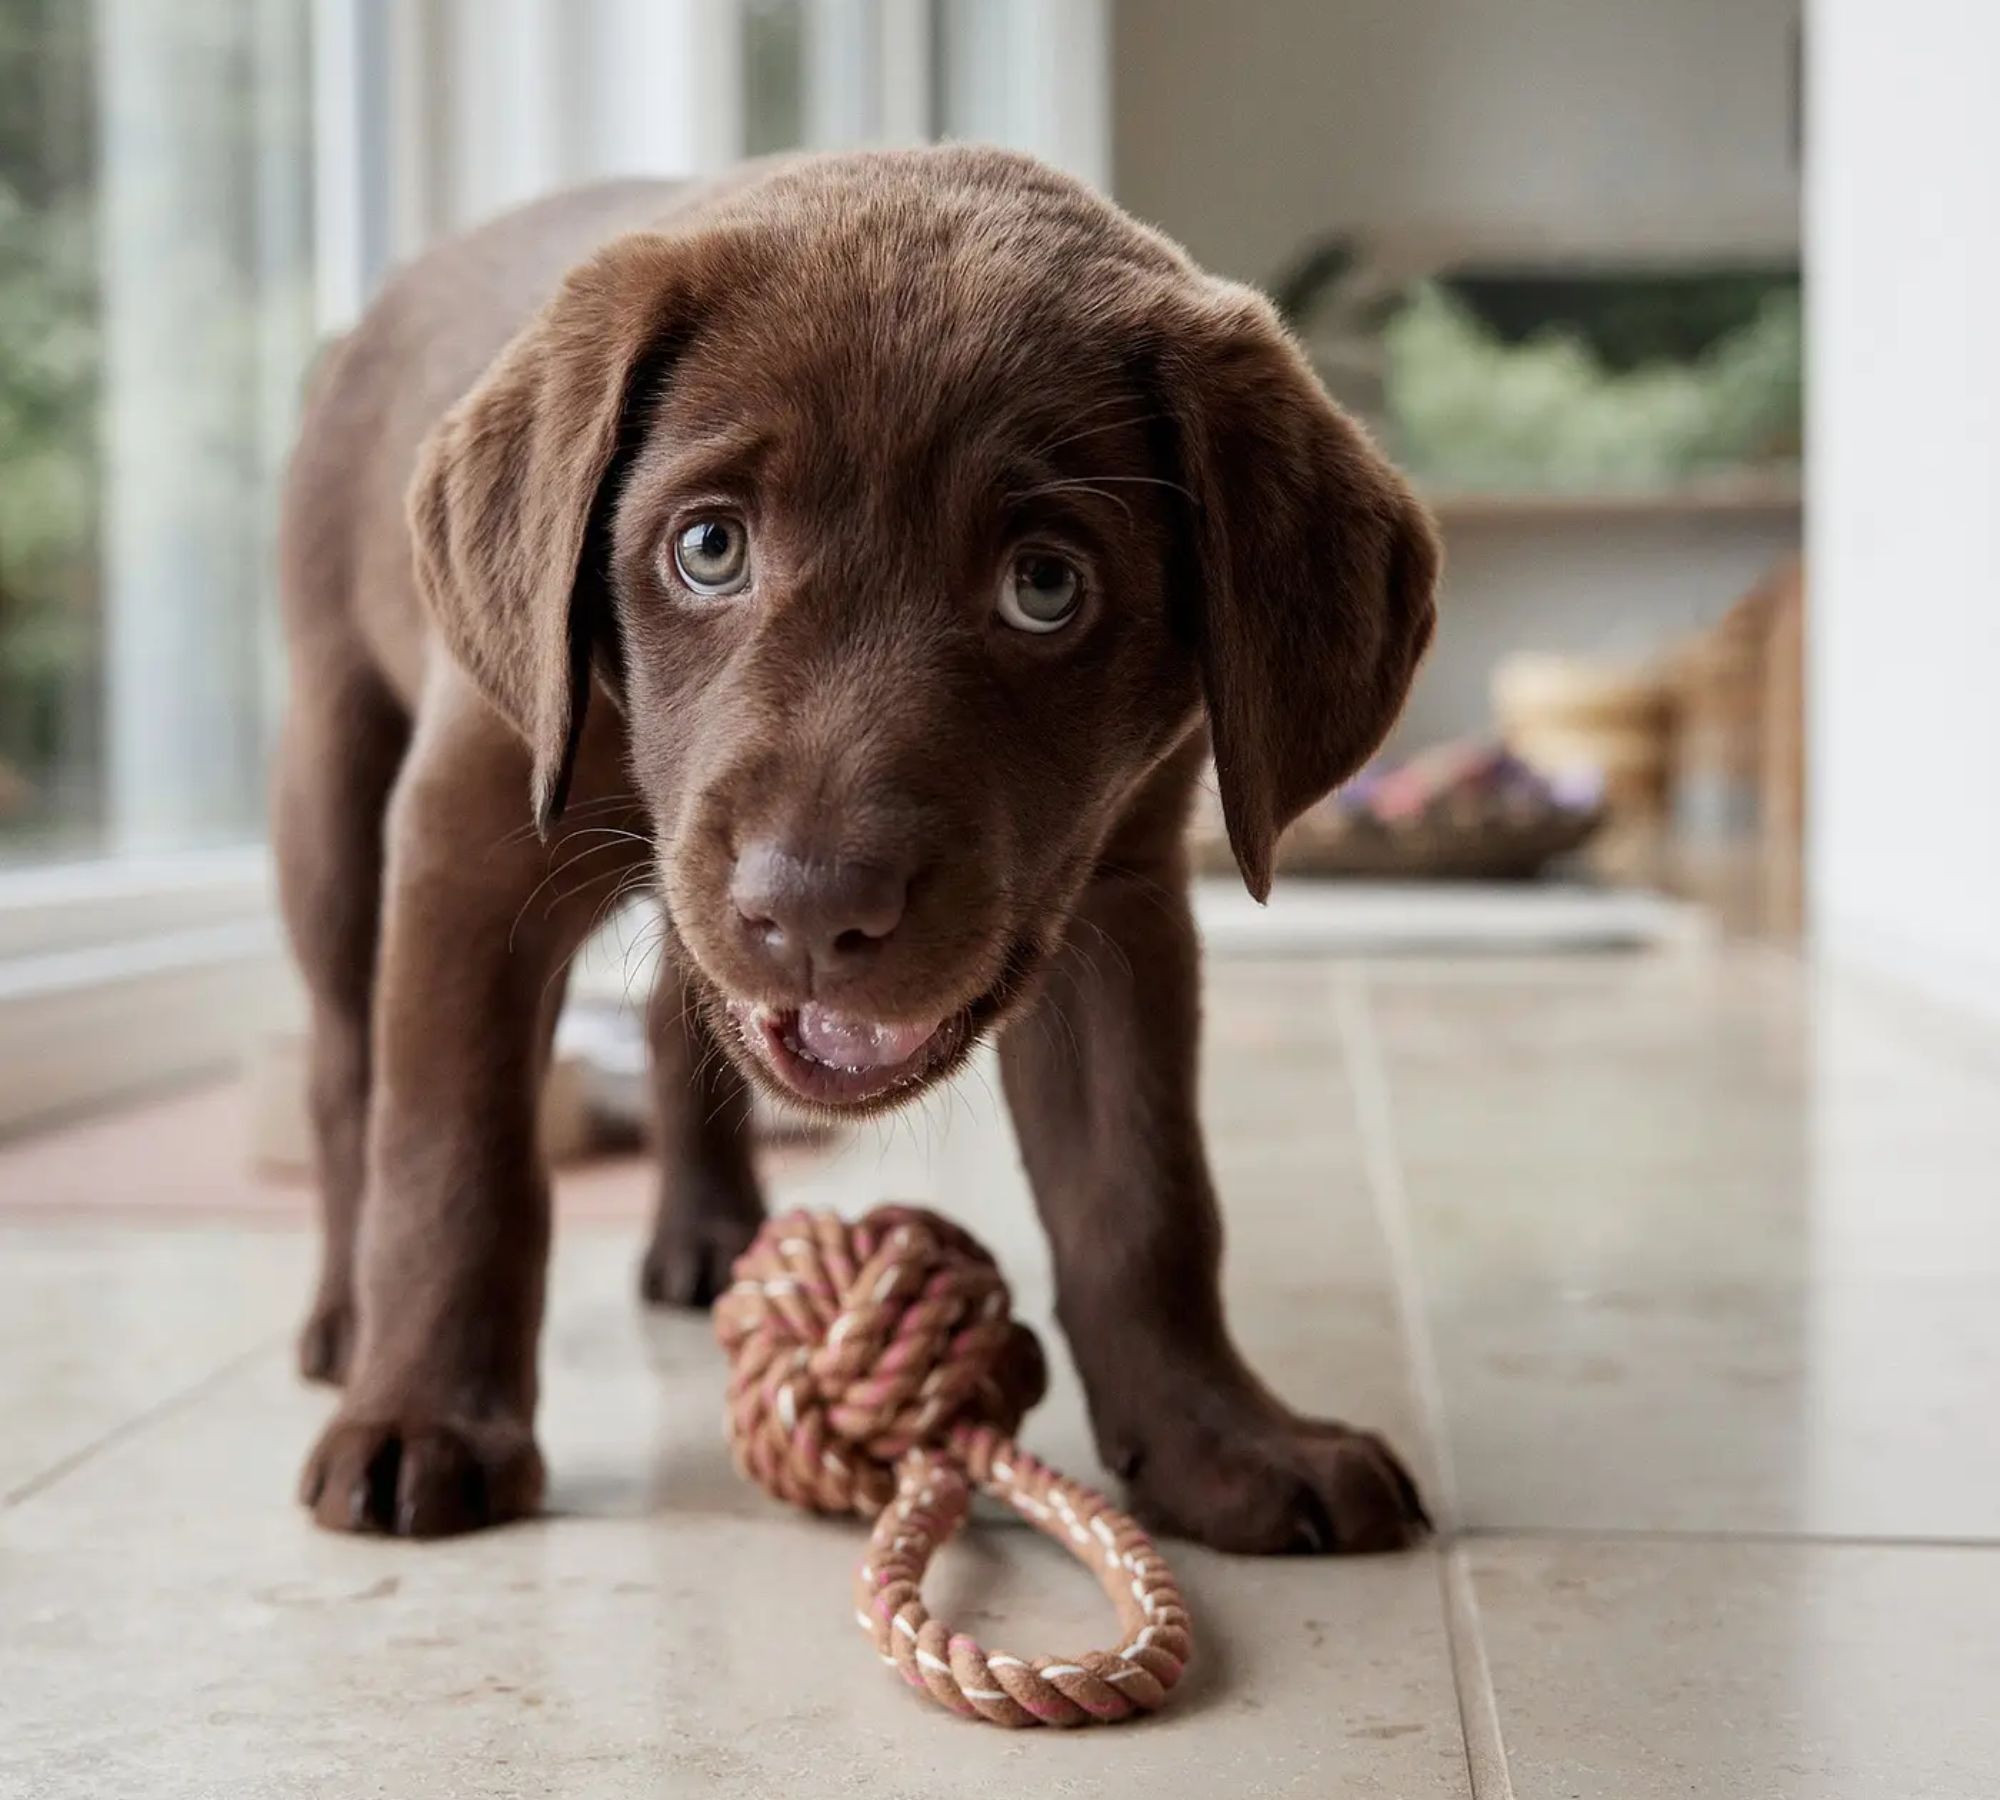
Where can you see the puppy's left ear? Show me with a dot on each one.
(514, 480)
(1316, 568)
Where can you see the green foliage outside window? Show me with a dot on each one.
(49, 360)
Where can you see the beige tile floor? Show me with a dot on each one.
(1678, 1280)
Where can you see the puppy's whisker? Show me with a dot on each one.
(1167, 902)
(1076, 437)
(1110, 943)
(565, 964)
(992, 1098)
(637, 883)
(578, 810)
(1082, 413)
(555, 872)
(641, 946)
(615, 832)
(584, 883)
(1071, 487)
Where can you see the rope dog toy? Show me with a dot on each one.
(875, 1369)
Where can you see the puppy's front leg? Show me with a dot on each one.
(1102, 1087)
(710, 1203)
(435, 1430)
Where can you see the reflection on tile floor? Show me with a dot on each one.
(1676, 1278)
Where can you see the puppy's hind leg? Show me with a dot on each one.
(343, 742)
(710, 1203)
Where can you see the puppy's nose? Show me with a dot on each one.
(810, 915)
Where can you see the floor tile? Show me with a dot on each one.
(1733, 1233)
(1858, 1409)
(99, 1326)
(1697, 1248)
(666, 1625)
(1721, 1671)
(668, 1628)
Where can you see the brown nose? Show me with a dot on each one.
(811, 917)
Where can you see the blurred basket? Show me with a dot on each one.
(1462, 812)
(1570, 716)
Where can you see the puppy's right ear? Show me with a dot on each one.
(1315, 566)
(507, 484)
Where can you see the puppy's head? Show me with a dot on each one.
(914, 508)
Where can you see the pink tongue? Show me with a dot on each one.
(830, 1037)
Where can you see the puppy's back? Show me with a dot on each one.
(344, 557)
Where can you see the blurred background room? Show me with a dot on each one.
(1551, 254)
(1645, 992)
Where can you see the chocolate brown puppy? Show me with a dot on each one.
(862, 554)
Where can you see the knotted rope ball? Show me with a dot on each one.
(875, 1369)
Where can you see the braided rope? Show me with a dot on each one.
(875, 1369)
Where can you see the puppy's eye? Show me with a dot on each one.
(1039, 592)
(713, 555)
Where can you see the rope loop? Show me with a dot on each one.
(875, 1369)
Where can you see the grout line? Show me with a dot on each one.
(1721, 1536)
(1374, 1111)
(139, 1422)
(1478, 1706)
(1382, 1166)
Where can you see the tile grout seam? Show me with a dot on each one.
(1472, 1676)
(1472, 1680)
(142, 1421)
(1756, 1537)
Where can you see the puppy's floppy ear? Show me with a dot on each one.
(512, 490)
(1316, 567)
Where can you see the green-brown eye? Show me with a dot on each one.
(712, 555)
(1039, 592)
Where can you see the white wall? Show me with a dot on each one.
(1616, 588)
(1904, 474)
(1245, 126)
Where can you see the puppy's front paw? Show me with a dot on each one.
(690, 1257)
(419, 1477)
(1274, 1484)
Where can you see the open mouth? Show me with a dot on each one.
(830, 1058)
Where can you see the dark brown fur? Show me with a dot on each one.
(896, 365)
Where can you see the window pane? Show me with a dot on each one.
(155, 321)
(773, 76)
(976, 75)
